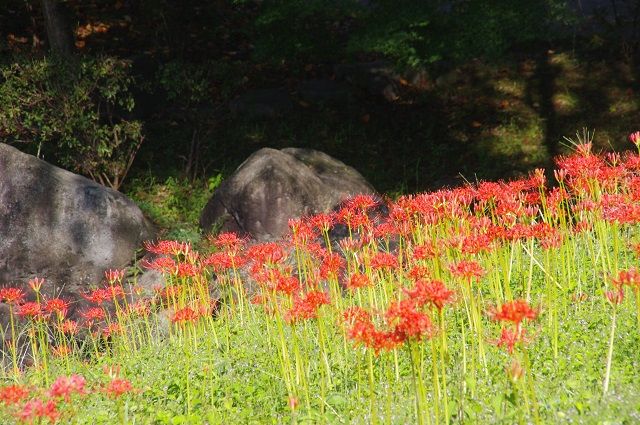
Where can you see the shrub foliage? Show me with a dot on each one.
(72, 114)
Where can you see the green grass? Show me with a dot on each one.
(268, 353)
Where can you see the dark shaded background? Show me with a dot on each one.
(415, 95)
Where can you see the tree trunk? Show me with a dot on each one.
(58, 28)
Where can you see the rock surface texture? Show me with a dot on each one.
(273, 186)
(62, 227)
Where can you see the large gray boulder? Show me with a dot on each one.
(62, 227)
(273, 186)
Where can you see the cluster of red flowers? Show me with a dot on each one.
(306, 307)
(514, 313)
(32, 405)
(405, 320)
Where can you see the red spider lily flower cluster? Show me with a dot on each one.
(64, 387)
(13, 394)
(357, 281)
(384, 260)
(432, 292)
(185, 315)
(29, 309)
(467, 270)
(57, 307)
(11, 295)
(306, 307)
(513, 312)
(118, 387)
(405, 320)
(630, 278)
(40, 405)
(164, 247)
(37, 409)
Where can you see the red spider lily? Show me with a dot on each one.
(418, 272)
(307, 307)
(632, 162)
(98, 296)
(266, 253)
(69, 327)
(361, 220)
(560, 175)
(364, 332)
(114, 276)
(185, 315)
(514, 311)
(384, 260)
(361, 330)
(286, 284)
(11, 295)
(229, 242)
(386, 230)
(407, 320)
(301, 232)
(220, 261)
(164, 265)
(423, 252)
(476, 243)
(509, 338)
(614, 208)
(432, 292)
(65, 386)
(37, 409)
(29, 309)
(188, 269)
(467, 270)
(112, 329)
(354, 314)
(362, 202)
(635, 138)
(117, 387)
(630, 277)
(115, 291)
(350, 245)
(323, 222)
(36, 284)
(358, 280)
(12, 394)
(548, 236)
(615, 297)
(168, 247)
(56, 306)
(331, 265)
(94, 313)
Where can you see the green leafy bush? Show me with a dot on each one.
(72, 114)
